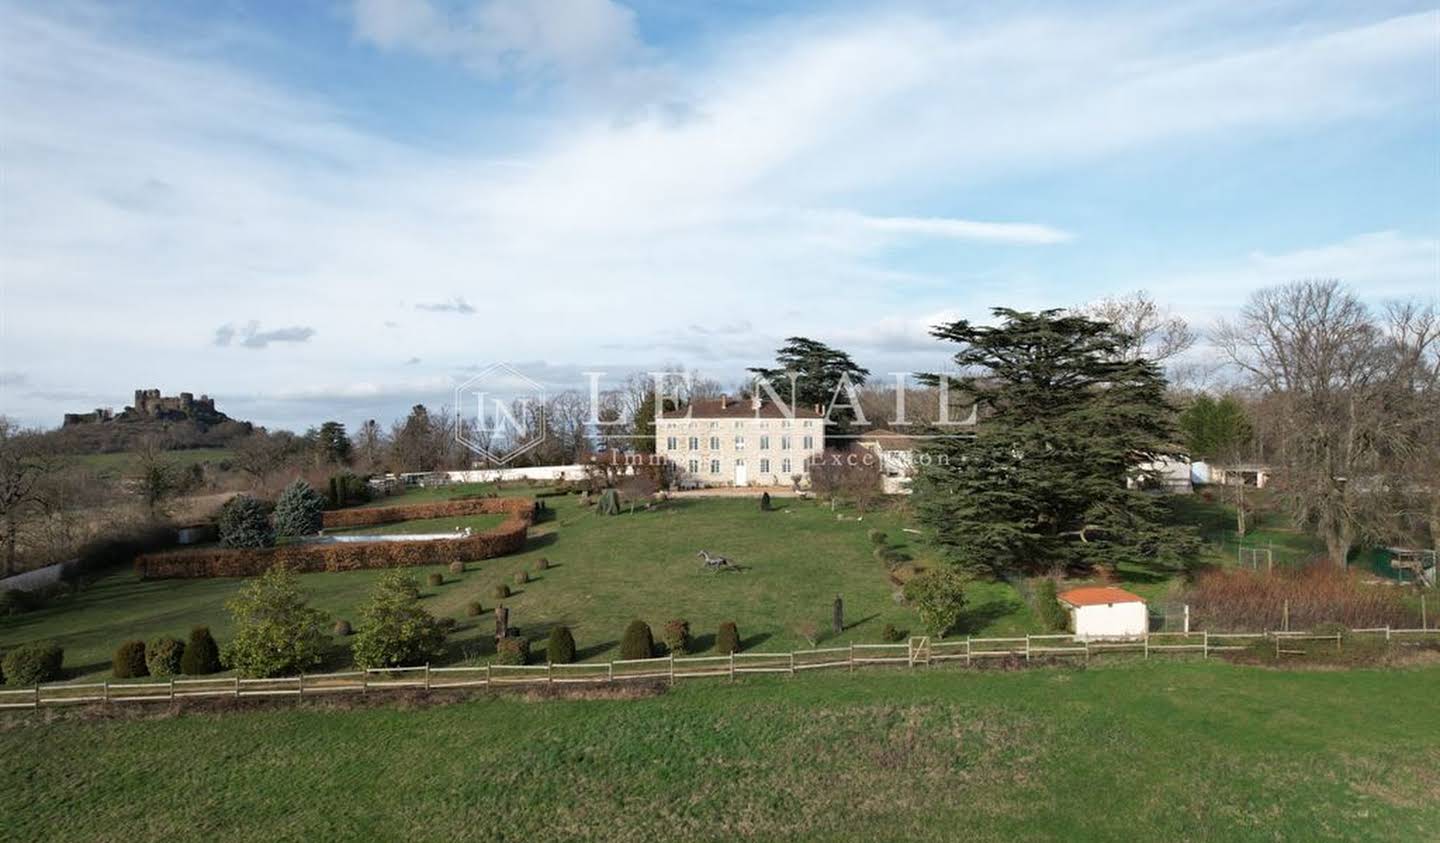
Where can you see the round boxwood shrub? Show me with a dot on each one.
(33, 663)
(512, 650)
(446, 623)
(877, 536)
(764, 501)
(474, 609)
(343, 628)
(521, 578)
(129, 660)
(435, 579)
(542, 564)
(638, 643)
(297, 510)
(727, 641)
(457, 568)
(202, 654)
(890, 633)
(676, 636)
(560, 649)
(244, 522)
(163, 654)
(502, 591)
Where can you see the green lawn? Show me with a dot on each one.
(605, 571)
(1135, 751)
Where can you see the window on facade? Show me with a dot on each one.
(714, 466)
(764, 443)
(714, 443)
(784, 443)
(809, 442)
(764, 466)
(785, 466)
(694, 466)
(739, 443)
(671, 443)
(785, 423)
(809, 423)
(694, 443)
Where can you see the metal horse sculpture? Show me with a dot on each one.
(716, 563)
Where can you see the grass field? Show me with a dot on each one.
(605, 571)
(427, 525)
(122, 463)
(1135, 751)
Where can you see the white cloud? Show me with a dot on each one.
(156, 186)
(497, 37)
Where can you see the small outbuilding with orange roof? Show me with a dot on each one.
(1105, 612)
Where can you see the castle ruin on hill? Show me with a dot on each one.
(150, 405)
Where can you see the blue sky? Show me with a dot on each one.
(337, 209)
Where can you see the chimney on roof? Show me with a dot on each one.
(724, 401)
(755, 401)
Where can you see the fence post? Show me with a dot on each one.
(852, 656)
(1147, 645)
(1027, 646)
(237, 687)
(487, 676)
(37, 695)
(792, 662)
(1205, 643)
(172, 689)
(1387, 632)
(672, 666)
(550, 672)
(967, 651)
(302, 685)
(107, 690)
(1086, 642)
(427, 676)
(732, 665)
(610, 672)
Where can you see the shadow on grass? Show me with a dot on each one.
(702, 644)
(754, 641)
(861, 622)
(540, 541)
(584, 653)
(981, 616)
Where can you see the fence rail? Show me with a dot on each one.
(919, 651)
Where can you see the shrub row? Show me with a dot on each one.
(519, 508)
(165, 656)
(309, 557)
(1318, 594)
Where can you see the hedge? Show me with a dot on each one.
(521, 508)
(310, 557)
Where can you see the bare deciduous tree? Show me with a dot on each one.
(1350, 399)
(26, 459)
(1152, 331)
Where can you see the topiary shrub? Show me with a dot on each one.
(245, 522)
(560, 649)
(502, 591)
(638, 643)
(129, 660)
(447, 623)
(474, 609)
(727, 641)
(343, 628)
(891, 634)
(512, 650)
(676, 636)
(764, 501)
(457, 568)
(33, 663)
(542, 564)
(877, 536)
(202, 654)
(521, 578)
(163, 654)
(435, 579)
(938, 595)
(298, 510)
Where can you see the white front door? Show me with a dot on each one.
(740, 478)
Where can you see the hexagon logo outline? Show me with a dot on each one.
(502, 457)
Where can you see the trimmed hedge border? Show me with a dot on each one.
(508, 537)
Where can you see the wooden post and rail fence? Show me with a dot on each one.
(918, 651)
